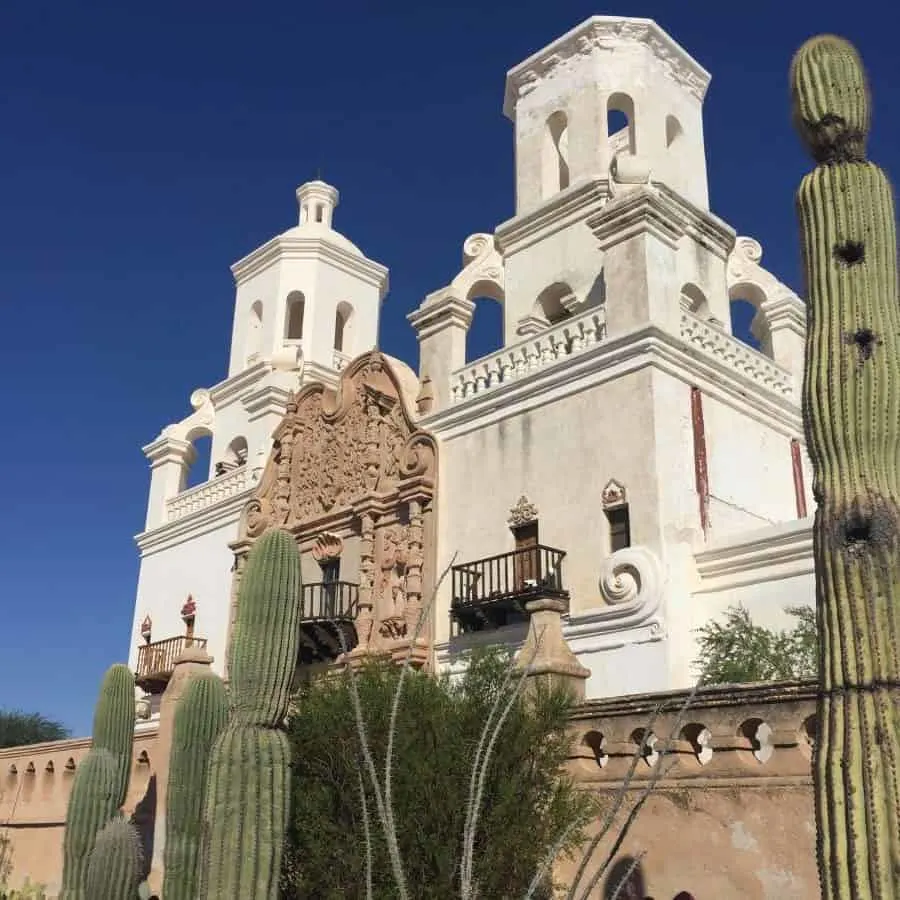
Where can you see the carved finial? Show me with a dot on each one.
(188, 610)
(523, 513)
(613, 495)
(147, 628)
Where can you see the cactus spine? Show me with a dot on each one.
(114, 868)
(247, 800)
(851, 399)
(200, 716)
(101, 781)
(92, 803)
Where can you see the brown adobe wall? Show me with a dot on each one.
(732, 815)
(35, 783)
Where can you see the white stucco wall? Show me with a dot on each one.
(197, 563)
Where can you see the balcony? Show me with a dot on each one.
(156, 661)
(492, 592)
(327, 620)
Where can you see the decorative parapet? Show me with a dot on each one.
(540, 351)
(339, 360)
(744, 360)
(727, 732)
(204, 495)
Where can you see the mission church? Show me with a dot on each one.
(519, 472)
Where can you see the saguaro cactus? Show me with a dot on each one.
(92, 803)
(113, 727)
(200, 716)
(247, 801)
(101, 781)
(114, 867)
(851, 400)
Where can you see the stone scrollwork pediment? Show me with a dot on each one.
(335, 447)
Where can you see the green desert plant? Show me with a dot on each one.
(92, 803)
(101, 781)
(736, 651)
(115, 863)
(851, 406)
(528, 799)
(200, 716)
(248, 789)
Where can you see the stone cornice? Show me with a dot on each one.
(288, 246)
(648, 346)
(785, 311)
(438, 311)
(168, 449)
(602, 33)
(231, 388)
(765, 554)
(666, 214)
(268, 399)
(225, 512)
(571, 205)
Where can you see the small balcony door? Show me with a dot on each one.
(331, 573)
(526, 560)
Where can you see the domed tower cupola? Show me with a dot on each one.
(308, 294)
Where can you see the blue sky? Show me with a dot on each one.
(145, 147)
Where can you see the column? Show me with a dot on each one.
(170, 458)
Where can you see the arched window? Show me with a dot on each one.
(196, 471)
(747, 321)
(235, 456)
(555, 155)
(485, 334)
(620, 123)
(294, 316)
(343, 327)
(253, 340)
(673, 130)
(693, 300)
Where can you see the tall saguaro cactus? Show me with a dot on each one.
(851, 402)
(200, 716)
(114, 868)
(247, 798)
(101, 781)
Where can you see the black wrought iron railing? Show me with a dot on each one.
(329, 600)
(488, 592)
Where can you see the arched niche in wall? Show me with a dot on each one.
(253, 339)
(344, 328)
(620, 123)
(555, 303)
(235, 455)
(555, 155)
(294, 312)
(693, 300)
(674, 132)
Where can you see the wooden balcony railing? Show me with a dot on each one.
(492, 592)
(327, 620)
(156, 661)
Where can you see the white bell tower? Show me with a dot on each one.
(308, 294)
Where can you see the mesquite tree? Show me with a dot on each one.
(851, 403)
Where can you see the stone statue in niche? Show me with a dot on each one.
(394, 557)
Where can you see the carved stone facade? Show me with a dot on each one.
(350, 464)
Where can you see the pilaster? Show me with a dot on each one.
(638, 234)
(170, 458)
(783, 333)
(441, 324)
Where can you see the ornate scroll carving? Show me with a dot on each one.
(328, 546)
(483, 269)
(523, 513)
(334, 448)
